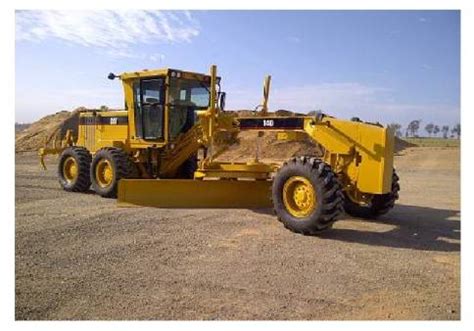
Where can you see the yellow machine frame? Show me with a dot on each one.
(361, 154)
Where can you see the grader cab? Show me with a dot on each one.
(161, 151)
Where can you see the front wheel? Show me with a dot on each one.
(307, 196)
(378, 205)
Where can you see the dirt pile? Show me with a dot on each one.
(279, 112)
(245, 147)
(48, 129)
(269, 147)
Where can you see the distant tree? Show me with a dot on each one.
(396, 129)
(445, 130)
(413, 128)
(436, 130)
(429, 128)
(104, 108)
(456, 130)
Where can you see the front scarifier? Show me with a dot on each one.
(307, 196)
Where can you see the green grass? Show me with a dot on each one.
(434, 142)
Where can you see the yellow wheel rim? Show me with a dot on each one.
(70, 169)
(299, 196)
(104, 173)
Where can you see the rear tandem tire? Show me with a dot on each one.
(73, 169)
(109, 165)
(380, 204)
(317, 195)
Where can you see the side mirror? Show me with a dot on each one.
(221, 100)
(111, 76)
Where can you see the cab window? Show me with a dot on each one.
(149, 108)
(186, 96)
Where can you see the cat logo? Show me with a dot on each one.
(113, 120)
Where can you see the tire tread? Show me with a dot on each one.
(83, 158)
(331, 200)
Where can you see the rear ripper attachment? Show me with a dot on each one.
(161, 151)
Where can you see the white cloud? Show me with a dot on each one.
(114, 31)
(127, 53)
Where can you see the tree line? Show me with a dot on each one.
(432, 129)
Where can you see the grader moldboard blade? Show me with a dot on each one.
(188, 193)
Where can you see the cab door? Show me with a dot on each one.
(149, 109)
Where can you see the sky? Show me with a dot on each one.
(385, 66)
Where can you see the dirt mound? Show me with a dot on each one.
(47, 130)
(243, 112)
(269, 147)
(401, 144)
(244, 147)
(250, 113)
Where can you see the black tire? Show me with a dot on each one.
(121, 168)
(327, 189)
(380, 204)
(187, 169)
(82, 158)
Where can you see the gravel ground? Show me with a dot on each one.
(79, 256)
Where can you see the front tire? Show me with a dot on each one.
(108, 167)
(73, 169)
(306, 195)
(380, 204)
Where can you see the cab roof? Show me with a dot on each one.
(164, 72)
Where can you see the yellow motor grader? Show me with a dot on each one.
(161, 151)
